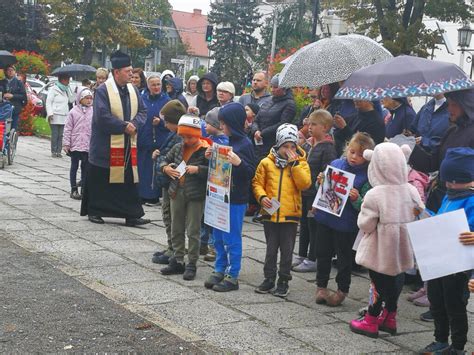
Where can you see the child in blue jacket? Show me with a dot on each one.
(228, 246)
(449, 294)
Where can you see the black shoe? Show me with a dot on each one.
(226, 285)
(213, 280)
(282, 289)
(158, 253)
(258, 218)
(96, 219)
(162, 259)
(189, 272)
(132, 222)
(266, 286)
(75, 195)
(174, 268)
(427, 317)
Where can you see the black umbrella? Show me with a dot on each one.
(74, 70)
(6, 58)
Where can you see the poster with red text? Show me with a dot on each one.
(217, 207)
(333, 193)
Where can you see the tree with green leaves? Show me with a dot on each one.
(81, 27)
(294, 22)
(400, 22)
(234, 41)
(21, 26)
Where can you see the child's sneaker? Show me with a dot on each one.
(366, 326)
(211, 255)
(306, 266)
(297, 260)
(226, 285)
(266, 286)
(322, 295)
(174, 268)
(435, 347)
(189, 272)
(75, 195)
(282, 289)
(336, 298)
(414, 295)
(214, 279)
(422, 301)
(427, 317)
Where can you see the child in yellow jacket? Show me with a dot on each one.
(281, 176)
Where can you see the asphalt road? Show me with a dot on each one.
(44, 310)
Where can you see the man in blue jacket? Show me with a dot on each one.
(14, 92)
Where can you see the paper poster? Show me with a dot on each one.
(181, 169)
(334, 191)
(436, 239)
(274, 208)
(217, 207)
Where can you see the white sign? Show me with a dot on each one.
(435, 241)
(274, 208)
(334, 191)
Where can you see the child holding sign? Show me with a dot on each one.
(228, 246)
(187, 194)
(279, 179)
(336, 235)
(448, 295)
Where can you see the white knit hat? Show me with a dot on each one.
(190, 121)
(84, 93)
(287, 132)
(226, 86)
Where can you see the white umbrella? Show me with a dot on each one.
(331, 60)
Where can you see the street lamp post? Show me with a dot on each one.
(464, 41)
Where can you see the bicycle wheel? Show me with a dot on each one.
(12, 146)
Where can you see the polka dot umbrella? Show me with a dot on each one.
(331, 60)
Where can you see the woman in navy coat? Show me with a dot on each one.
(151, 137)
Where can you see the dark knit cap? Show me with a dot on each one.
(458, 165)
(120, 60)
(254, 107)
(172, 111)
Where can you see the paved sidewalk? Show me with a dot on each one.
(38, 215)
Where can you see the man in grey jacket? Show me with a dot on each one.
(259, 93)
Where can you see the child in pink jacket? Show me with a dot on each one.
(385, 248)
(76, 138)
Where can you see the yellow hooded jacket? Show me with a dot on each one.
(283, 184)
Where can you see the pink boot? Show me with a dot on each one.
(367, 326)
(387, 322)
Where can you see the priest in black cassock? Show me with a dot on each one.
(111, 184)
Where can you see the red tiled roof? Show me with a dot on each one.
(196, 22)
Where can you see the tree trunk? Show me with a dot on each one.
(87, 52)
(407, 13)
(384, 31)
(418, 11)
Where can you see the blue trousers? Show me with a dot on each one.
(228, 246)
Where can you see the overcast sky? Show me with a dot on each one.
(189, 5)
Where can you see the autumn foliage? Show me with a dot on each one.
(31, 63)
(25, 127)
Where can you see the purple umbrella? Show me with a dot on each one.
(402, 77)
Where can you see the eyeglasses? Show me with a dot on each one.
(314, 96)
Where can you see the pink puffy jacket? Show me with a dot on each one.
(77, 130)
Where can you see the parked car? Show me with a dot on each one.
(35, 84)
(38, 106)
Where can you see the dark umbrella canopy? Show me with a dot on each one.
(6, 58)
(74, 70)
(402, 77)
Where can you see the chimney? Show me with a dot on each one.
(197, 12)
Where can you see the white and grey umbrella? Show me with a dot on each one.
(331, 60)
